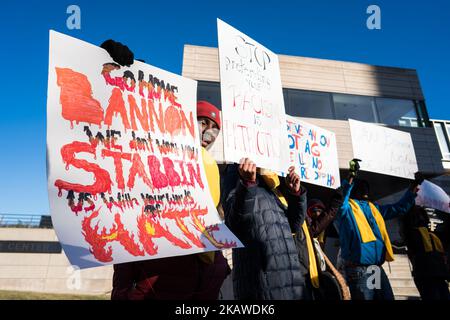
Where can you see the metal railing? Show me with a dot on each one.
(9, 220)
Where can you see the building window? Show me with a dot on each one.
(397, 112)
(354, 107)
(443, 138)
(325, 105)
(209, 91)
(308, 104)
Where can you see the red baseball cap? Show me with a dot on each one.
(208, 110)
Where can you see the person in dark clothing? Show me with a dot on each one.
(178, 278)
(264, 213)
(191, 277)
(319, 217)
(426, 252)
(332, 285)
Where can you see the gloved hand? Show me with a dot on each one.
(418, 179)
(247, 170)
(354, 167)
(119, 52)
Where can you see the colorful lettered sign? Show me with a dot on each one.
(125, 175)
(313, 152)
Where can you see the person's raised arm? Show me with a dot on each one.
(297, 201)
(347, 185)
(405, 204)
(238, 211)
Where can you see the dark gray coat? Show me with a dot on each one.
(268, 267)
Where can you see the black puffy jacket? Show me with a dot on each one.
(268, 267)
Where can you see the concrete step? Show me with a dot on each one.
(400, 297)
(400, 258)
(408, 292)
(402, 283)
(398, 267)
(399, 275)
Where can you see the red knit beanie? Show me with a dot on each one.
(208, 110)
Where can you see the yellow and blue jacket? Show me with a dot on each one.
(362, 232)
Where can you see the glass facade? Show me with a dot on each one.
(397, 112)
(354, 107)
(326, 105)
(308, 104)
(209, 91)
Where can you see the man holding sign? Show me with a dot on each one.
(265, 213)
(124, 142)
(201, 275)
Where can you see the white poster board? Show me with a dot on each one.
(432, 196)
(125, 173)
(252, 101)
(383, 150)
(313, 152)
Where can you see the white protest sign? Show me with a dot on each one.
(126, 180)
(313, 152)
(252, 101)
(383, 150)
(432, 196)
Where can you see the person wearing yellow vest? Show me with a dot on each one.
(189, 277)
(427, 252)
(364, 241)
(264, 211)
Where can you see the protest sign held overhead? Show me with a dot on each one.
(313, 152)
(215, 149)
(125, 175)
(432, 196)
(383, 150)
(253, 111)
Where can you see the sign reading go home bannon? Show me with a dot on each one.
(125, 175)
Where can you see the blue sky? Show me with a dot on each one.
(414, 34)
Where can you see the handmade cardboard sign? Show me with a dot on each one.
(125, 174)
(383, 150)
(253, 111)
(313, 152)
